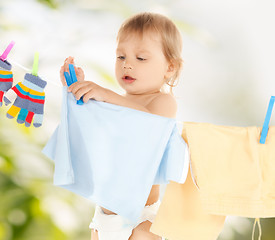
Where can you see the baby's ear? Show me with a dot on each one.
(171, 69)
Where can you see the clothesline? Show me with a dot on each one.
(29, 70)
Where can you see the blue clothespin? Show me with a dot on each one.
(267, 120)
(70, 79)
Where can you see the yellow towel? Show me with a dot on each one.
(234, 175)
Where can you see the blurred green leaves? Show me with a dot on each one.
(21, 216)
(49, 3)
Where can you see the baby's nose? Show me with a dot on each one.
(127, 65)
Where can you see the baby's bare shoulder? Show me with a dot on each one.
(164, 105)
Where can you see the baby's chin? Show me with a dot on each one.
(131, 89)
(134, 92)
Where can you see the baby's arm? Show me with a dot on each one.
(90, 90)
(163, 105)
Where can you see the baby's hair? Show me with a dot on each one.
(168, 32)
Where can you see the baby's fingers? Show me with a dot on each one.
(79, 73)
(62, 77)
(69, 60)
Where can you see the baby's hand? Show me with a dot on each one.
(89, 90)
(65, 68)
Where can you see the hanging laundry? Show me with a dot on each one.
(113, 155)
(28, 97)
(234, 173)
(6, 75)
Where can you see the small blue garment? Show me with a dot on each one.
(113, 154)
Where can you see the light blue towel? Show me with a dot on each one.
(113, 155)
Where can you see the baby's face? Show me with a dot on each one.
(141, 66)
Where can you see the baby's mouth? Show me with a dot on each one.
(128, 78)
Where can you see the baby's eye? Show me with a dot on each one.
(141, 59)
(121, 57)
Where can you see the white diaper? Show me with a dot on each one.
(116, 227)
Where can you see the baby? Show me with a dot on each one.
(148, 56)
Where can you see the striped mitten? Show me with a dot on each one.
(6, 78)
(29, 100)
